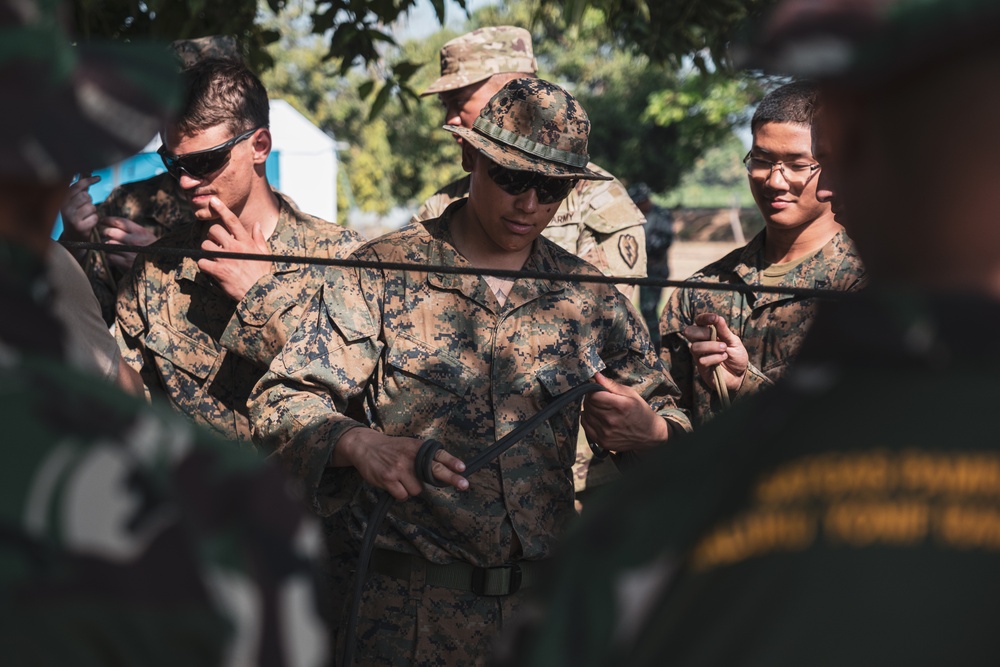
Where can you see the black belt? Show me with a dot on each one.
(460, 576)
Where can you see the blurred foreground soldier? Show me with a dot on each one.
(801, 246)
(89, 344)
(597, 220)
(129, 537)
(852, 514)
(134, 213)
(659, 237)
(202, 332)
(464, 359)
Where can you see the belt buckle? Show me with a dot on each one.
(479, 580)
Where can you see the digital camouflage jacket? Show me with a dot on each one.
(770, 325)
(155, 203)
(433, 355)
(194, 345)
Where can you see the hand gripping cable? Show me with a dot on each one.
(424, 469)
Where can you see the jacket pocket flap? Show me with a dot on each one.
(429, 363)
(193, 356)
(571, 370)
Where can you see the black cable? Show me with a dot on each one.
(422, 465)
(196, 253)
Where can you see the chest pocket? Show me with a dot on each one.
(194, 357)
(571, 370)
(417, 358)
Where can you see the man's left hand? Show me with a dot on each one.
(621, 420)
(234, 276)
(122, 231)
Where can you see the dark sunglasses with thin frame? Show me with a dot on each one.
(548, 188)
(200, 164)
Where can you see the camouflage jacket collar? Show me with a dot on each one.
(835, 266)
(441, 252)
(288, 239)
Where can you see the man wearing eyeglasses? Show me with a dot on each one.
(758, 334)
(202, 332)
(464, 359)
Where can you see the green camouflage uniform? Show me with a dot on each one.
(127, 536)
(198, 347)
(845, 517)
(155, 203)
(771, 326)
(432, 355)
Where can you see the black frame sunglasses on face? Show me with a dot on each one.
(548, 188)
(200, 164)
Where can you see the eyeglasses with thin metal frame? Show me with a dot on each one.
(548, 188)
(793, 172)
(200, 164)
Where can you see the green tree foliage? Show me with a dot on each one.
(668, 31)
(650, 120)
(396, 157)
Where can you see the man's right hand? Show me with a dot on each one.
(727, 352)
(78, 212)
(387, 462)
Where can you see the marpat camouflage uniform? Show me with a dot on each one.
(435, 355)
(155, 203)
(597, 222)
(771, 326)
(198, 347)
(130, 537)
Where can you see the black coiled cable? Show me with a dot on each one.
(424, 469)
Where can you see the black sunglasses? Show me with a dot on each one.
(549, 189)
(200, 164)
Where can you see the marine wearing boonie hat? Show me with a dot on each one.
(533, 125)
(478, 55)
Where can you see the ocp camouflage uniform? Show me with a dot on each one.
(155, 203)
(196, 346)
(126, 535)
(771, 326)
(435, 355)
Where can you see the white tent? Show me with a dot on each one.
(307, 161)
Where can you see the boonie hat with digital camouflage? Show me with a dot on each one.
(865, 42)
(533, 125)
(478, 55)
(70, 108)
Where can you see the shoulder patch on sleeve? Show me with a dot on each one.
(628, 248)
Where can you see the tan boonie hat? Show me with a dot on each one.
(214, 47)
(478, 55)
(533, 125)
